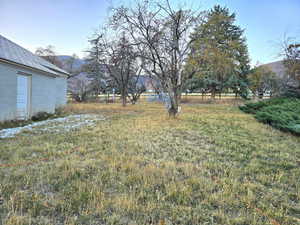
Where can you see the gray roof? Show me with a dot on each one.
(12, 52)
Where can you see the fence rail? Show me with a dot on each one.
(116, 97)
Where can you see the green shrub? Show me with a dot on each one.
(41, 116)
(292, 93)
(281, 113)
(253, 107)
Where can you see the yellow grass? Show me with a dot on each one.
(211, 165)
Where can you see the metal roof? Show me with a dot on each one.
(12, 52)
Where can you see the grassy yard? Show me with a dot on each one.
(212, 165)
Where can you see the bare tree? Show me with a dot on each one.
(48, 53)
(120, 59)
(290, 79)
(292, 58)
(162, 36)
(80, 89)
(135, 88)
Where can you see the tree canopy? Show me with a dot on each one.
(162, 36)
(220, 52)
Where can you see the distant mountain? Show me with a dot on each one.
(277, 67)
(81, 80)
(76, 83)
(77, 64)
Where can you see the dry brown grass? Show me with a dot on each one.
(212, 165)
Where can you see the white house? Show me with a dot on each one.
(28, 83)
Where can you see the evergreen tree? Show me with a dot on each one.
(220, 51)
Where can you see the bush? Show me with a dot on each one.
(41, 116)
(292, 93)
(253, 107)
(59, 112)
(281, 113)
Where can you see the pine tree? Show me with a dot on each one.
(220, 51)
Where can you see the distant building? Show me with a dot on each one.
(28, 83)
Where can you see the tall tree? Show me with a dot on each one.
(96, 72)
(220, 51)
(161, 34)
(119, 58)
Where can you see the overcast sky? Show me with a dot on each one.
(67, 24)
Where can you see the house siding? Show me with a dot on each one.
(43, 94)
(47, 93)
(61, 90)
(8, 93)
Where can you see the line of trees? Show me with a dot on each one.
(150, 37)
(182, 50)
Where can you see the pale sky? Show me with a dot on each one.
(68, 24)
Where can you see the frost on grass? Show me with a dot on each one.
(63, 124)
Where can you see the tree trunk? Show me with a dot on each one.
(134, 99)
(174, 103)
(213, 93)
(123, 100)
(173, 110)
(123, 96)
